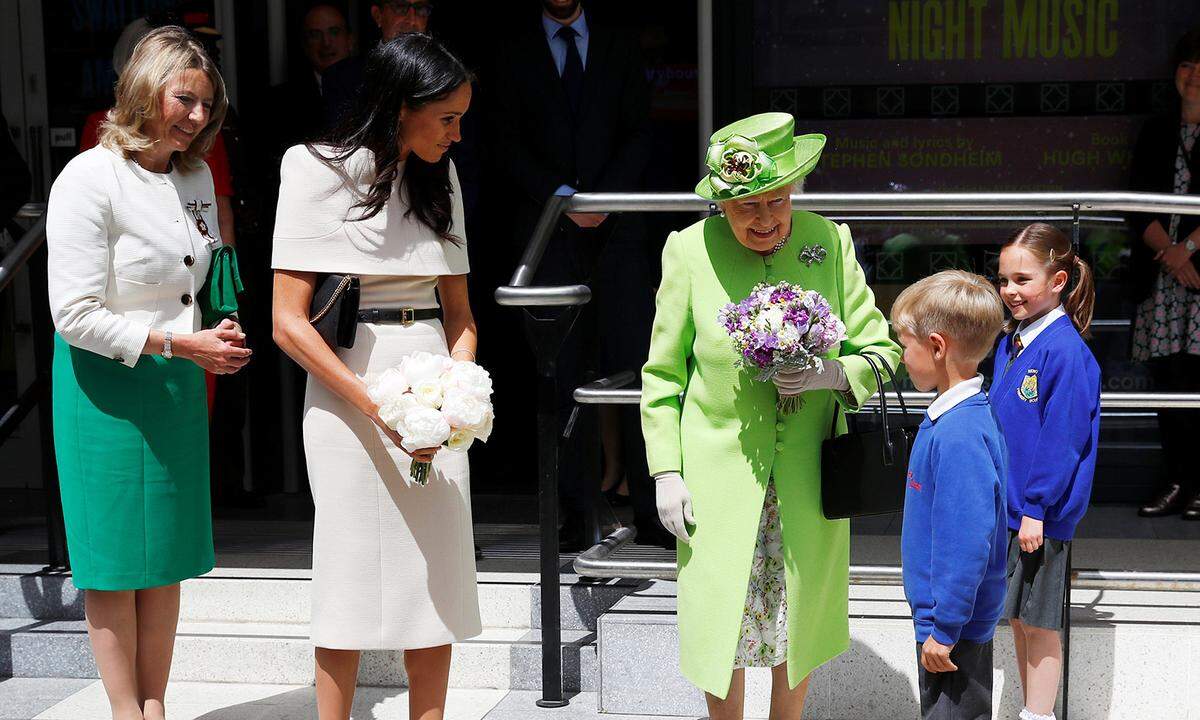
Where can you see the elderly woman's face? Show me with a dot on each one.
(760, 221)
(184, 110)
(1187, 81)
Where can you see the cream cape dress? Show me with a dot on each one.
(393, 562)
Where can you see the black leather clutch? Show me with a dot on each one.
(864, 472)
(334, 311)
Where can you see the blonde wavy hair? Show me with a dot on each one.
(160, 57)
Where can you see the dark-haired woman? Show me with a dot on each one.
(393, 562)
(1166, 326)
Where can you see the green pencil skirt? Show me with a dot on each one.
(132, 449)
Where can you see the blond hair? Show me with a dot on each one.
(958, 305)
(158, 58)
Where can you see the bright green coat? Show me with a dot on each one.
(727, 440)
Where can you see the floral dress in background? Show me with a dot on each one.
(763, 641)
(1168, 322)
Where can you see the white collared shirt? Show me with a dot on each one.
(1030, 332)
(954, 395)
(558, 46)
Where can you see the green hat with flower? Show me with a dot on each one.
(757, 154)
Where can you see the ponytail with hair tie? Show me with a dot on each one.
(1081, 301)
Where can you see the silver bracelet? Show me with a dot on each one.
(466, 351)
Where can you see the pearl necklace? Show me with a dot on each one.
(779, 245)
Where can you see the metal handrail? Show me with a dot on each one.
(605, 392)
(31, 211)
(16, 258)
(907, 202)
(36, 393)
(521, 292)
(597, 562)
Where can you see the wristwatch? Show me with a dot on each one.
(167, 338)
(1190, 245)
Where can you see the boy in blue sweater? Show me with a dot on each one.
(955, 538)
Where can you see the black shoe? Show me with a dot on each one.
(615, 498)
(1169, 502)
(1192, 511)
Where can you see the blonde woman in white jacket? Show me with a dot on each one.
(130, 228)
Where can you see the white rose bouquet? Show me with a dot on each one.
(433, 400)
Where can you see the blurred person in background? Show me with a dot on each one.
(341, 80)
(1166, 283)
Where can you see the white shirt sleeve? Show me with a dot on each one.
(78, 218)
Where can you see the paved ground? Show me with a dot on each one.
(28, 699)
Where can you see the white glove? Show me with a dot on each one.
(827, 375)
(674, 504)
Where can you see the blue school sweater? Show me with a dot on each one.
(1048, 405)
(954, 543)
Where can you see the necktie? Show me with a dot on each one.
(572, 74)
(1018, 346)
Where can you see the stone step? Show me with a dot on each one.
(1133, 654)
(280, 653)
(506, 600)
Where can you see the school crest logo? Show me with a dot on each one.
(1029, 387)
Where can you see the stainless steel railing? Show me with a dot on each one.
(27, 245)
(607, 391)
(37, 392)
(599, 562)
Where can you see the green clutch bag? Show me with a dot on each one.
(218, 298)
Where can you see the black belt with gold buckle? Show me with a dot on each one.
(402, 316)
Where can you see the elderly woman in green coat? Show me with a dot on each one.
(763, 576)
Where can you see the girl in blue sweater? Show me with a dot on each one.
(1046, 395)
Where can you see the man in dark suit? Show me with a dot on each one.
(570, 113)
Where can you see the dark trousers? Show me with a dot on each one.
(1178, 428)
(965, 694)
(612, 334)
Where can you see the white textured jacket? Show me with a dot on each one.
(126, 251)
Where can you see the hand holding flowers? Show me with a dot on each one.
(781, 329)
(428, 401)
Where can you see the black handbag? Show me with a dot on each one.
(334, 309)
(864, 472)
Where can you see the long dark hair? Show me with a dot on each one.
(1054, 250)
(410, 71)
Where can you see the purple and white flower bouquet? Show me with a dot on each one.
(432, 400)
(782, 326)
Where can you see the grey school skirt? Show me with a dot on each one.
(1037, 583)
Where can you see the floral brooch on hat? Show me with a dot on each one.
(738, 166)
